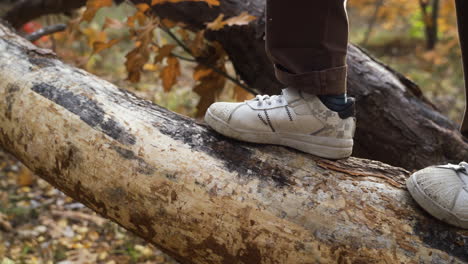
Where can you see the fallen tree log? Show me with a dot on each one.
(396, 123)
(198, 196)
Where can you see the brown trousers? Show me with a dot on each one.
(307, 42)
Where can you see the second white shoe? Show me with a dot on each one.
(293, 119)
(443, 192)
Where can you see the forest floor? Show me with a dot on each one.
(39, 224)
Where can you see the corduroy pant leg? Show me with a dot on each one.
(462, 15)
(307, 42)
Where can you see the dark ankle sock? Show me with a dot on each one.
(335, 103)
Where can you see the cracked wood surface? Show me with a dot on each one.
(198, 196)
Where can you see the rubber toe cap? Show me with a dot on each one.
(222, 111)
(441, 185)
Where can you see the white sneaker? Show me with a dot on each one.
(443, 192)
(293, 119)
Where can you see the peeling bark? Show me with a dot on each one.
(396, 123)
(200, 197)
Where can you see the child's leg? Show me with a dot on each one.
(307, 41)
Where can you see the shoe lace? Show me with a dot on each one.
(268, 99)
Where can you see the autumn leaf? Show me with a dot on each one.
(210, 85)
(139, 17)
(99, 46)
(136, 59)
(197, 46)
(217, 24)
(92, 6)
(209, 2)
(139, 56)
(25, 177)
(201, 72)
(94, 35)
(170, 73)
(241, 94)
(143, 7)
(163, 52)
(241, 20)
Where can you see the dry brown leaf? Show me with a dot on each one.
(209, 2)
(241, 20)
(241, 94)
(92, 6)
(168, 23)
(217, 24)
(99, 46)
(208, 89)
(25, 177)
(139, 17)
(136, 60)
(163, 52)
(139, 56)
(142, 7)
(170, 73)
(201, 72)
(197, 46)
(94, 35)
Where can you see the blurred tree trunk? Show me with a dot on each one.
(198, 196)
(430, 11)
(396, 123)
(372, 21)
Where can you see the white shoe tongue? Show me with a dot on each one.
(290, 95)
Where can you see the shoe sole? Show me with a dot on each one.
(432, 207)
(319, 146)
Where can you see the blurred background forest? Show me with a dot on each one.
(39, 224)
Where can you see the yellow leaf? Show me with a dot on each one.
(170, 73)
(151, 67)
(209, 2)
(99, 46)
(92, 6)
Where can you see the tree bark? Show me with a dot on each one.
(396, 123)
(201, 197)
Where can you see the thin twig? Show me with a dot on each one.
(183, 58)
(46, 31)
(195, 59)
